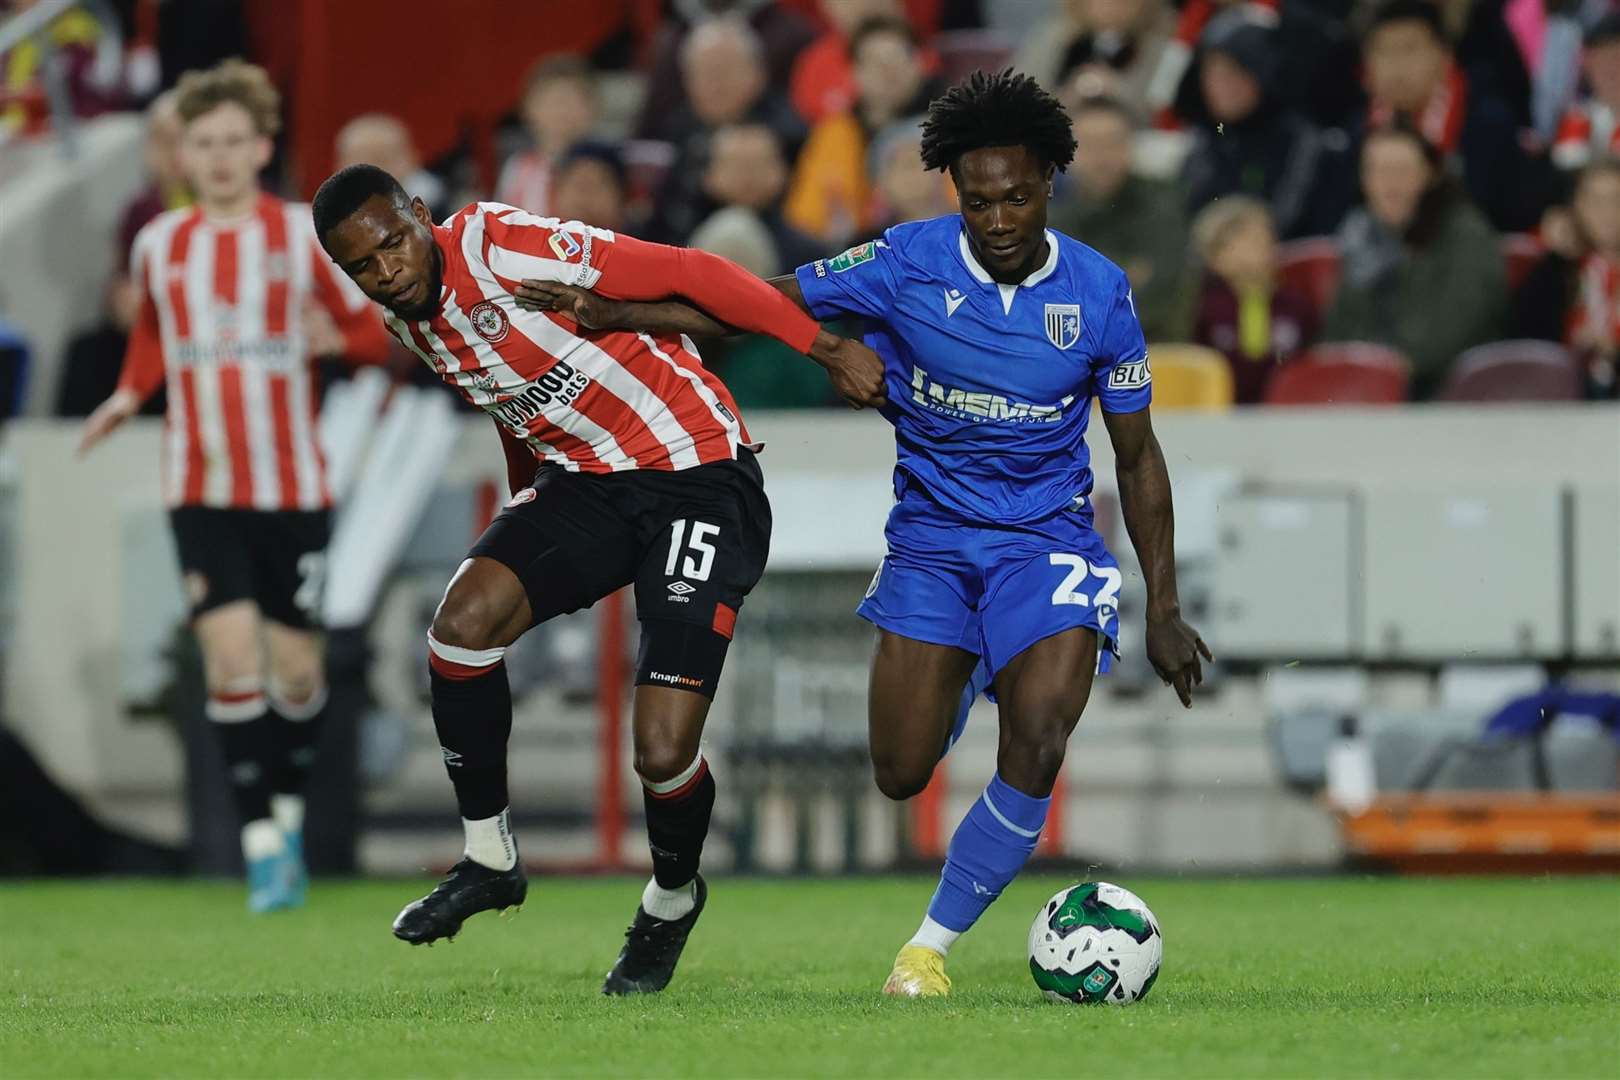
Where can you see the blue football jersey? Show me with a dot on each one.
(990, 385)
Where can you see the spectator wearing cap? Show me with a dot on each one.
(1591, 127)
(1572, 294)
(902, 188)
(1243, 312)
(1104, 47)
(559, 107)
(1412, 76)
(590, 185)
(830, 196)
(1253, 142)
(1420, 268)
(1137, 222)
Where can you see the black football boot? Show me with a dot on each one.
(469, 888)
(652, 947)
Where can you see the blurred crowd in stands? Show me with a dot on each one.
(1395, 200)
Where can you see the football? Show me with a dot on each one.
(1095, 943)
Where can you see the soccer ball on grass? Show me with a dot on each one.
(1095, 943)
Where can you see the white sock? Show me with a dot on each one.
(666, 904)
(261, 840)
(931, 935)
(489, 841)
(288, 810)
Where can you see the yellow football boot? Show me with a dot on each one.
(918, 972)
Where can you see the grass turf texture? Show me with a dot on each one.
(1346, 977)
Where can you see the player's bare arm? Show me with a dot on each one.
(856, 371)
(1173, 647)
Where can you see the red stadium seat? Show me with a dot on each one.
(962, 52)
(1509, 371)
(1312, 267)
(1348, 373)
(1520, 253)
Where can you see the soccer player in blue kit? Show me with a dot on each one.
(996, 333)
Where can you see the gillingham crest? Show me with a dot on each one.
(1063, 324)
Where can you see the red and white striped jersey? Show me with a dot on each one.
(591, 401)
(222, 320)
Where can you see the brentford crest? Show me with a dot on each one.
(490, 321)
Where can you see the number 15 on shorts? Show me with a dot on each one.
(1105, 583)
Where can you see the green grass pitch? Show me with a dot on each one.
(1322, 977)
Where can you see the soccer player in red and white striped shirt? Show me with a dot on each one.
(646, 475)
(235, 298)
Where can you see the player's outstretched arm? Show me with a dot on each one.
(1173, 647)
(722, 297)
(596, 312)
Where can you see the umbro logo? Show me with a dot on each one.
(953, 300)
(451, 757)
(681, 588)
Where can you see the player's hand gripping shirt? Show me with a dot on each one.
(588, 400)
(222, 320)
(990, 385)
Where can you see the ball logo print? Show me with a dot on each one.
(1095, 943)
(490, 321)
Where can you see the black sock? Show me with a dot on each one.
(297, 735)
(250, 756)
(473, 715)
(677, 824)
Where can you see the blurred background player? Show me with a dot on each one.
(646, 475)
(234, 300)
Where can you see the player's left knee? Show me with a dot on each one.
(661, 760)
(1032, 757)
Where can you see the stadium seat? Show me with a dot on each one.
(1347, 373)
(1520, 253)
(962, 52)
(1510, 371)
(1311, 266)
(1190, 377)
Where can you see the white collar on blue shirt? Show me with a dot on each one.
(980, 274)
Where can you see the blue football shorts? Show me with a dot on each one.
(993, 590)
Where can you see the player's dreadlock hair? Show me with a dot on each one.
(1004, 109)
(346, 190)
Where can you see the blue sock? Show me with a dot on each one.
(989, 847)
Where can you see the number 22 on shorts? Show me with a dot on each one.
(1068, 590)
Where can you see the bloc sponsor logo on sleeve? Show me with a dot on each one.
(1131, 376)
